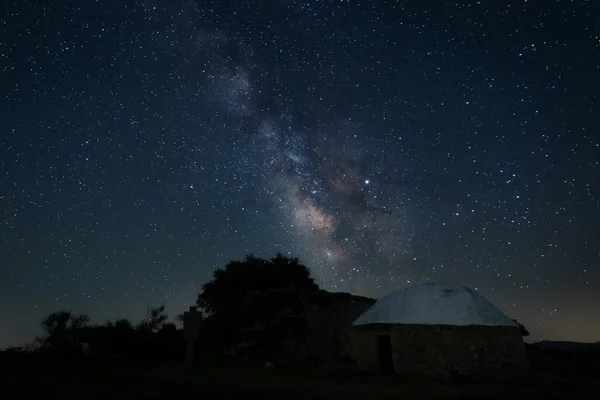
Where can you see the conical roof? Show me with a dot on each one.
(435, 304)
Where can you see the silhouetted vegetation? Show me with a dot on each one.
(68, 337)
(245, 301)
(154, 320)
(230, 286)
(62, 330)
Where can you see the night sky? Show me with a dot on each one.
(384, 143)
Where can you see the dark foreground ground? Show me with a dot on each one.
(118, 381)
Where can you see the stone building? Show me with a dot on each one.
(439, 331)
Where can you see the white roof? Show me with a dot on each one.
(434, 304)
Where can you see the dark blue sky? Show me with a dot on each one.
(384, 143)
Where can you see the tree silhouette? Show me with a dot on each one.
(179, 319)
(231, 285)
(168, 328)
(62, 321)
(61, 329)
(122, 324)
(154, 319)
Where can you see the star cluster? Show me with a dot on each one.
(145, 144)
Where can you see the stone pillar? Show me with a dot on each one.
(191, 330)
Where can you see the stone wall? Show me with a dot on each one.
(363, 346)
(329, 317)
(446, 352)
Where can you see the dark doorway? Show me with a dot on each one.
(384, 349)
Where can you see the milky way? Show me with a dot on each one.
(350, 222)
